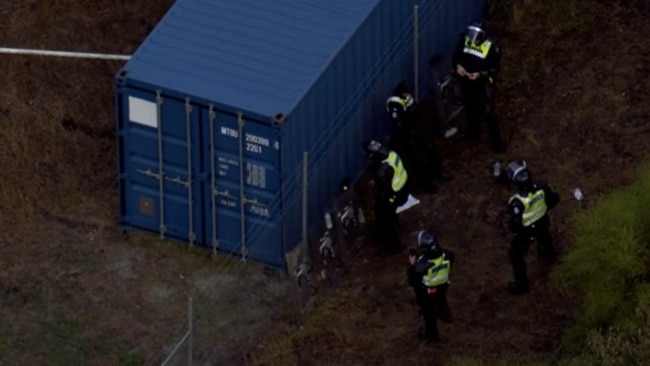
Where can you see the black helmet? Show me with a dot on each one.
(517, 172)
(402, 89)
(374, 149)
(428, 243)
(475, 33)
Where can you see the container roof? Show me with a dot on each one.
(258, 56)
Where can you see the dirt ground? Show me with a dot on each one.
(573, 103)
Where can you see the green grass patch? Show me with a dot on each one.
(608, 268)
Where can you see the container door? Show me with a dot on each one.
(244, 209)
(159, 159)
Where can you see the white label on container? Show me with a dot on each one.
(143, 112)
(256, 175)
(230, 132)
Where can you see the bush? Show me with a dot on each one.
(608, 267)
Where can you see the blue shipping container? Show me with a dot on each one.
(218, 105)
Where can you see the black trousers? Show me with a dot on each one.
(386, 220)
(421, 158)
(434, 307)
(520, 245)
(478, 100)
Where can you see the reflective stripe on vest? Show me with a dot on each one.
(534, 206)
(438, 273)
(399, 173)
(404, 102)
(478, 51)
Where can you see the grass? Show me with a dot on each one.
(608, 268)
(472, 361)
(72, 306)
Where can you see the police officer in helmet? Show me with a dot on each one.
(401, 110)
(391, 183)
(528, 211)
(476, 62)
(428, 274)
(412, 139)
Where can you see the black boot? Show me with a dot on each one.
(498, 146)
(517, 288)
(445, 177)
(423, 335)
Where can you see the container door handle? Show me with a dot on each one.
(178, 181)
(225, 193)
(149, 173)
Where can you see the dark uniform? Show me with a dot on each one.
(428, 274)
(528, 211)
(392, 191)
(476, 61)
(412, 140)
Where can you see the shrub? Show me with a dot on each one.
(608, 268)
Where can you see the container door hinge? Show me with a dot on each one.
(244, 253)
(163, 231)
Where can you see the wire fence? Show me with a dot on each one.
(185, 341)
(226, 323)
(239, 301)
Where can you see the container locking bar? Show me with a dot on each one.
(240, 128)
(213, 185)
(161, 171)
(188, 184)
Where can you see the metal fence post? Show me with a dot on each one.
(305, 191)
(186, 337)
(416, 52)
(190, 330)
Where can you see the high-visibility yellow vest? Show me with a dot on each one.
(534, 206)
(399, 173)
(404, 102)
(480, 51)
(438, 273)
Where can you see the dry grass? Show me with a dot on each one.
(72, 285)
(73, 290)
(58, 151)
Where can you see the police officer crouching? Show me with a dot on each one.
(476, 62)
(528, 210)
(391, 184)
(428, 274)
(411, 138)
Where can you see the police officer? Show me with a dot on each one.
(528, 210)
(401, 109)
(476, 63)
(428, 274)
(390, 178)
(411, 138)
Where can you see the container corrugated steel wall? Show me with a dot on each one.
(202, 154)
